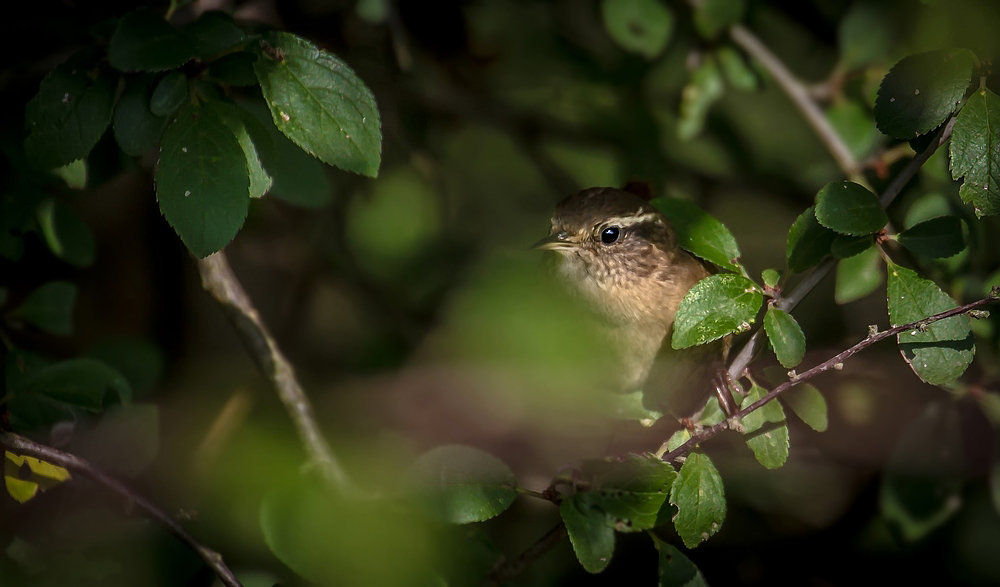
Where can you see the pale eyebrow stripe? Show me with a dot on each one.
(634, 219)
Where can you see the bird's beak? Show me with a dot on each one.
(554, 242)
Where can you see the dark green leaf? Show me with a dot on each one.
(460, 484)
(713, 16)
(943, 352)
(716, 306)
(703, 89)
(855, 126)
(770, 277)
(372, 11)
(50, 307)
(592, 539)
(638, 26)
(975, 152)
(318, 102)
(921, 91)
(202, 182)
(845, 246)
(79, 382)
(629, 491)
(766, 430)
(808, 242)
(808, 404)
(848, 208)
(858, 276)
(67, 235)
(787, 339)
(235, 69)
(241, 123)
(136, 127)
(170, 94)
(144, 41)
(700, 499)
(213, 33)
(676, 570)
(937, 238)
(699, 232)
(69, 113)
(139, 361)
(864, 35)
(922, 486)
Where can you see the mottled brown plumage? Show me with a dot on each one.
(620, 254)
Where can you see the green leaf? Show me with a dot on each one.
(676, 569)
(921, 91)
(808, 242)
(214, 32)
(858, 276)
(74, 174)
(372, 11)
(808, 404)
(170, 94)
(864, 35)
(144, 41)
(50, 307)
(704, 88)
(638, 26)
(770, 277)
(848, 208)
(629, 406)
(716, 306)
(460, 484)
(241, 123)
(937, 238)
(235, 69)
(79, 382)
(629, 491)
(318, 102)
(136, 127)
(845, 246)
(202, 182)
(700, 499)
(766, 430)
(712, 414)
(944, 351)
(138, 360)
(70, 112)
(855, 126)
(713, 16)
(785, 334)
(678, 438)
(975, 152)
(66, 234)
(700, 233)
(592, 539)
(923, 480)
(737, 72)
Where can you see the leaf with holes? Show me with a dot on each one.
(700, 233)
(766, 430)
(638, 26)
(630, 492)
(785, 334)
(848, 208)
(700, 499)
(975, 152)
(716, 306)
(921, 91)
(460, 484)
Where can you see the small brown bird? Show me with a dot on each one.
(621, 255)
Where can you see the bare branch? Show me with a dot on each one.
(831, 363)
(219, 280)
(75, 464)
(507, 569)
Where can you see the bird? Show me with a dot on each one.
(621, 256)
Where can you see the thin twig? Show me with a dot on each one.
(75, 464)
(835, 362)
(507, 569)
(219, 280)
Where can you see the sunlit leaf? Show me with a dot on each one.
(716, 306)
(700, 233)
(629, 491)
(975, 152)
(700, 499)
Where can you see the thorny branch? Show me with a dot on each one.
(75, 464)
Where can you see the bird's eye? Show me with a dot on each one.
(610, 234)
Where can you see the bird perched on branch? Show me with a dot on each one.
(621, 255)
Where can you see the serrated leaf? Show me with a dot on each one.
(716, 306)
(944, 351)
(74, 174)
(713, 16)
(700, 233)
(808, 404)
(676, 569)
(921, 91)
(770, 277)
(79, 382)
(808, 242)
(766, 430)
(858, 276)
(240, 124)
(703, 89)
(937, 238)
(50, 307)
(235, 69)
(638, 26)
(975, 152)
(592, 539)
(214, 32)
(169, 94)
(70, 112)
(136, 127)
(629, 491)
(66, 234)
(700, 499)
(848, 208)
(786, 337)
(202, 182)
(845, 247)
(144, 41)
(460, 484)
(318, 102)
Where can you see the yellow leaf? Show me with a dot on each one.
(47, 469)
(20, 489)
